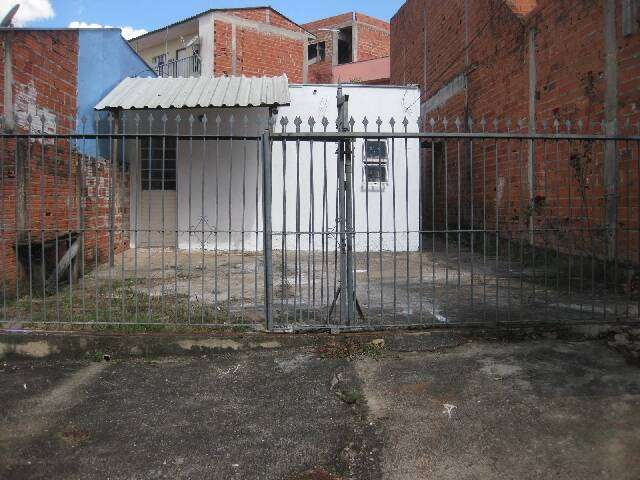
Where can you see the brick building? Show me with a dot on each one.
(349, 47)
(262, 41)
(535, 63)
(53, 190)
(228, 41)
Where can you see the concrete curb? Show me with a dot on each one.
(29, 344)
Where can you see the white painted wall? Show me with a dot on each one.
(229, 176)
(220, 172)
(364, 101)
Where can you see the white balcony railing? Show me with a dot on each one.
(185, 67)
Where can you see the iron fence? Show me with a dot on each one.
(184, 67)
(256, 221)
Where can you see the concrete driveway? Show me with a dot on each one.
(410, 410)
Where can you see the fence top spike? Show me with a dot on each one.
(568, 124)
(556, 123)
(470, 122)
(520, 123)
(352, 122)
(164, 118)
(297, 122)
(405, 122)
(178, 118)
(432, 122)
(545, 124)
(392, 122)
(580, 125)
(83, 119)
(192, 118)
(496, 123)
(379, 122)
(245, 120)
(311, 121)
(29, 119)
(483, 122)
(445, 122)
(325, 122)
(365, 121)
(232, 119)
(150, 118)
(458, 122)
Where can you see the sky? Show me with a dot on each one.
(138, 16)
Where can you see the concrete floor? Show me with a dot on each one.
(440, 285)
(421, 408)
(437, 286)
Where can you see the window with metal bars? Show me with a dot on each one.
(158, 163)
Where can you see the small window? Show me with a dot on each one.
(375, 150)
(375, 163)
(375, 173)
(158, 163)
(316, 52)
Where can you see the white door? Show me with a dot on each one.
(157, 210)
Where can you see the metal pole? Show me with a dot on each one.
(266, 226)
(348, 167)
(347, 297)
(341, 209)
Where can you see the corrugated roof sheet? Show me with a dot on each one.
(193, 92)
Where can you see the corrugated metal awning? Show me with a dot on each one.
(193, 92)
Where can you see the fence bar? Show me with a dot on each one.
(267, 228)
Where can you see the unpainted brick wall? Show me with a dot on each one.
(267, 15)
(257, 53)
(570, 192)
(45, 62)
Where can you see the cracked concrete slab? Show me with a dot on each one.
(415, 407)
(503, 411)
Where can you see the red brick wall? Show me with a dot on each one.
(570, 86)
(257, 53)
(223, 51)
(267, 15)
(44, 66)
(328, 22)
(372, 42)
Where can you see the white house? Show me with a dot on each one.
(197, 187)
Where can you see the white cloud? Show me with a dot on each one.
(127, 31)
(29, 11)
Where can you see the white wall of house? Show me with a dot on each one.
(227, 175)
(403, 168)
